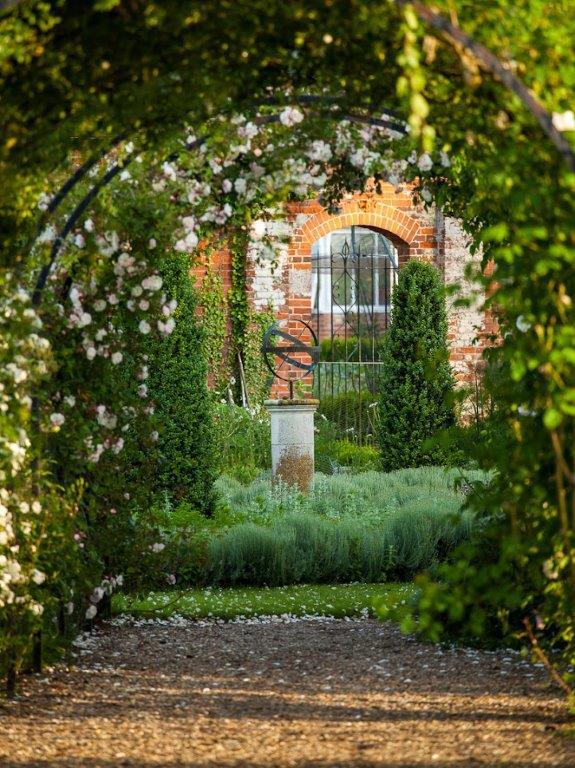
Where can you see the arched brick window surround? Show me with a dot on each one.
(412, 235)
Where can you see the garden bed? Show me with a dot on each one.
(370, 527)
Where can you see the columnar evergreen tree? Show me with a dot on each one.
(416, 380)
(178, 386)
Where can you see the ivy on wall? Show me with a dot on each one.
(238, 306)
(257, 375)
(233, 330)
(214, 303)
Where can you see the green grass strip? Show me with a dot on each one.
(303, 600)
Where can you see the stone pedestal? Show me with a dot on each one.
(293, 441)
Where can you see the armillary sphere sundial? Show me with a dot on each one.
(294, 358)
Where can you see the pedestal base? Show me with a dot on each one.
(292, 441)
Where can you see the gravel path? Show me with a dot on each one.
(294, 693)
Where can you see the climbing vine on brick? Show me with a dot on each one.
(212, 301)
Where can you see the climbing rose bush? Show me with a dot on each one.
(38, 563)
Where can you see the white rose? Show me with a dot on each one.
(97, 594)
(320, 151)
(99, 305)
(48, 235)
(425, 163)
(290, 117)
(57, 419)
(522, 324)
(191, 241)
(125, 261)
(259, 228)
(144, 327)
(91, 353)
(38, 577)
(564, 121)
(44, 201)
(444, 159)
(240, 185)
(84, 319)
(117, 358)
(152, 283)
(215, 166)
(426, 195)
(118, 445)
(358, 158)
(91, 611)
(167, 327)
(180, 246)
(169, 171)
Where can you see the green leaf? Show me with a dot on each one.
(552, 418)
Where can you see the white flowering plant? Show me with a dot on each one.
(37, 564)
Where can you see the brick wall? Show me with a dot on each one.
(469, 326)
(286, 286)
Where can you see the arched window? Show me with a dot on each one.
(353, 274)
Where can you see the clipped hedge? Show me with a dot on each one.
(342, 350)
(354, 414)
(177, 383)
(303, 548)
(333, 456)
(416, 381)
(367, 527)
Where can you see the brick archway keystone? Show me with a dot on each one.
(379, 215)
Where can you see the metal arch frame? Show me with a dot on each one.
(69, 225)
(393, 124)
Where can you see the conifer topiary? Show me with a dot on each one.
(416, 385)
(178, 386)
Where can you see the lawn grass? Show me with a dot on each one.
(302, 600)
